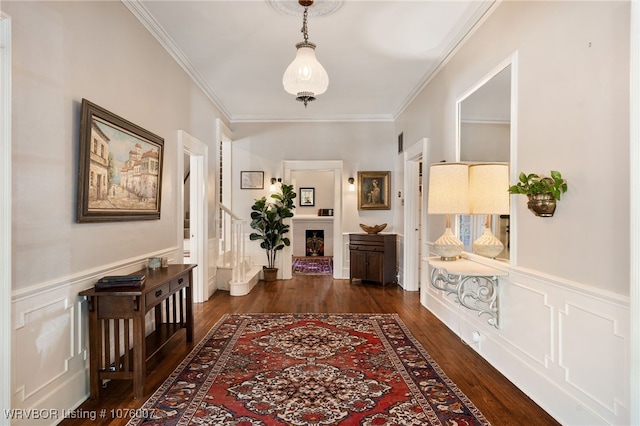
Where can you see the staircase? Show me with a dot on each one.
(236, 272)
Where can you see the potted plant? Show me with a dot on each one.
(543, 191)
(267, 218)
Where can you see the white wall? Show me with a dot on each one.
(63, 52)
(564, 305)
(321, 182)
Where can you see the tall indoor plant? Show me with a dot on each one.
(267, 219)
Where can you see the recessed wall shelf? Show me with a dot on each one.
(474, 285)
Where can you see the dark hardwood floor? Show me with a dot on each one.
(499, 400)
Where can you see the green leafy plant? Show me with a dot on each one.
(267, 218)
(534, 184)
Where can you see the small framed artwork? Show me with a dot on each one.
(120, 168)
(374, 190)
(307, 197)
(251, 180)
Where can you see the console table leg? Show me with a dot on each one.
(139, 351)
(95, 351)
(189, 296)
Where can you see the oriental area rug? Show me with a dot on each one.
(311, 265)
(309, 369)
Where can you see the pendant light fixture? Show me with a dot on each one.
(305, 77)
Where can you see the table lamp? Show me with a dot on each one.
(448, 194)
(488, 195)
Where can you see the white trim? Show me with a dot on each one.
(481, 16)
(142, 14)
(5, 213)
(198, 153)
(336, 167)
(414, 216)
(634, 217)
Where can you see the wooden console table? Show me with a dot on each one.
(119, 314)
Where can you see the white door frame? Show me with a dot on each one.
(5, 212)
(198, 154)
(634, 155)
(336, 167)
(414, 216)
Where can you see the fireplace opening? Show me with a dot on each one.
(314, 242)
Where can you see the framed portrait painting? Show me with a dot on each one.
(307, 197)
(374, 190)
(120, 168)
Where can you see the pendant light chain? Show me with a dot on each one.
(304, 25)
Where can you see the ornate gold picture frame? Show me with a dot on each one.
(374, 190)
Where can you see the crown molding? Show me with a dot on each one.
(478, 18)
(142, 14)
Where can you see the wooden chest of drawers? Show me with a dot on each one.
(372, 257)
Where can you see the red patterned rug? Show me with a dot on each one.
(312, 265)
(309, 369)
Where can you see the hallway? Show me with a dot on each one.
(497, 398)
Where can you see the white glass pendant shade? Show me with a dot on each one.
(305, 76)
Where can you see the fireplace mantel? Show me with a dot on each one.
(310, 217)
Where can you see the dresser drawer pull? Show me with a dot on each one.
(180, 280)
(158, 293)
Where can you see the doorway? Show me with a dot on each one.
(195, 161)
(414, 215)
(336, 168)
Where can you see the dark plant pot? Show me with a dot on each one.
(270, 274)
(543, 205)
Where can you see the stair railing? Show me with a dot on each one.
(233, 236)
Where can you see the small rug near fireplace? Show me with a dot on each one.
(312, 265)
(309, 369)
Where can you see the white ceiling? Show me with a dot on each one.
(378, 54)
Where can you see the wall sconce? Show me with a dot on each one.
(272, 187)
(352, 185)
(448, 194)
(488, 195)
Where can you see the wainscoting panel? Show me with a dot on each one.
(44, 339)
(577, 328)
(532, 334)
(564, 344)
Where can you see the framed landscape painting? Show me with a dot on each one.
(374, 191)
(119, 169)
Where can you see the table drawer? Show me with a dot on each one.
(179, 282)
(156, 295)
